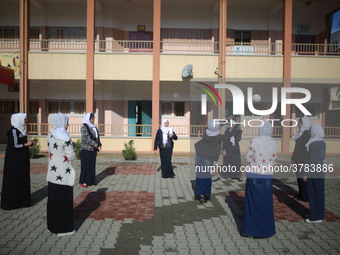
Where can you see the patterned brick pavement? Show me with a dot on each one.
(132, 210)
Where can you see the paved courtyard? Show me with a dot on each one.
(132, 210)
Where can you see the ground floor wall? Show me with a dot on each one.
(182, 145)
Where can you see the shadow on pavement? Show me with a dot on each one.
(106, 173)
(91, 203)
(39, 195)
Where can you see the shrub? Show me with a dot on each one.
(34, 150)
(77, 147)
(129, 153)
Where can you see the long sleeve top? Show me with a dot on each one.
(159, 140)
(300, 154)
(262, 155)
(88, 140)
(60, 170)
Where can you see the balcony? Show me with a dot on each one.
(118, 130)
(171, 47)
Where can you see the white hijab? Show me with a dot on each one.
(266, 129)
(305, 126)
(86, 120)
(18, 121)
(58, 122)
(317, 134)
(213, 128)
(165, 131)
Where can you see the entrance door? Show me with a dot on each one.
(146, 118)
(139, 115)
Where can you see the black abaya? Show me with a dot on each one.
(60, 208)
(16, 186)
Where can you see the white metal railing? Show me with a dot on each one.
(171, 46)
(315, 49)
(254, 48)
(9, 44)
(189, 46)
(146, 130)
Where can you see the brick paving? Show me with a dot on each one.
(132, 210)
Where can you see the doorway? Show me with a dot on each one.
(140, 118)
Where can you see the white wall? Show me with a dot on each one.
(61, 90)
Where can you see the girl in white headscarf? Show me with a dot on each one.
(16, 189)
(300, 155)
(164, 141)
(208, 150)
(258, 220)
(315, 179)
(90, 144)
(60, 177)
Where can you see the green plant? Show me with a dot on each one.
(34, 150)
(129, 153)
(77, 147)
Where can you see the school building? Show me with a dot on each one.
(136, 62)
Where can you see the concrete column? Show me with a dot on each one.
(90, 19)
(24, 86)
(287, 62)
(156, 67)
(222, 55)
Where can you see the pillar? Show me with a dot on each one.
(90, 19)
(156, 67)
(24, 85)
(287, 62)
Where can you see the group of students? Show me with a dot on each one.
(16, 191)
(261, 157)
(262, 151)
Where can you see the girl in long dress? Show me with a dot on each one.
(164, 141)
(60, 177)
(300, 155)
(231, 151)
(90, 144)
(316, 148)
(258, 220)
(208, 150)
(16, 186)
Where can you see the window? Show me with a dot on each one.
(34, 33)
(9, 32)
(242, 36)
(13, 33)
(312, 108)
(79, 108)
(66, 107)
(257, 106)
(167, 109)
(34, 107)
(7, 107)
(179, 108)
(66, 33)
(175, 109)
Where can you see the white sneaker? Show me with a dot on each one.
(66, 233)
(313, 221)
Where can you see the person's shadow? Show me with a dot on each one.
(285, 195)
(39, 195)
(106, 173)
(236, 205)
(91, 203)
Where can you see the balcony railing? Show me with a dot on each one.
(146, 130)
(180, 46)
